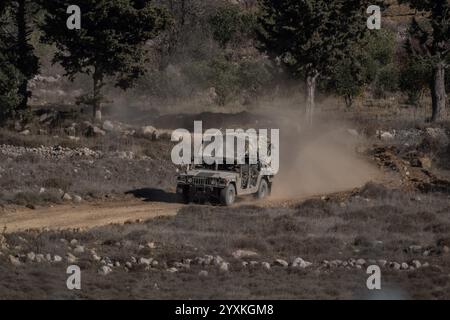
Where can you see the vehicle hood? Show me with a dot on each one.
(211, 174)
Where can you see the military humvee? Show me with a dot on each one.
(224, 182)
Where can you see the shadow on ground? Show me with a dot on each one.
(155, 195)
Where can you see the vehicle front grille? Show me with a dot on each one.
(201, 181)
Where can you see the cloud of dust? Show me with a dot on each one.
(319, 160)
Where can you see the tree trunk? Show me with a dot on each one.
(22, 52)
(96, 104)
(311, 83)
(438, 94)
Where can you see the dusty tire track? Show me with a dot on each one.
(85, 215)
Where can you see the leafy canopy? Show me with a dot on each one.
(111, 40)
(311, 35)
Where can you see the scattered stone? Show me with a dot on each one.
(14, 261)
(79, 249)
(416, 264)
(265, 265)
(25, 132)
(48, 257)
(148, 130)
(128, 264)
(224, 267)
(57, 258)
(66, 197)
(172, 270)
(155, 263)
(415, 249)
(71, 258)
(31, 256)
(108, 126)
(300, 263)
(218, 260)
(386, 136)
(282, 263)
(144, 261)
(77, 198)
(404, 266)
(239, 254)
(395, 265)
(73, 242)
(151, 245)
(203, 273)
(40, 258)
(105, 270)
(361, 262)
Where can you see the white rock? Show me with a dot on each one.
(404, 266)
(14, 261)
(361, 262)
(300, 263)
(224, 267)
(71, 258)
(386, 136)
(172, 270)
(145, 261)
(79, 249)
(282, 263)
(66, 197)
(31, 256)
(108, 126)
(239, 254)
(77, 198)
(203, 273)
(57, 258)
(40, 258)
(105, 270)
(148, 130)
(73, 242)
(265, 265)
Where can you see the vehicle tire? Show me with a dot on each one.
(263, 191)
(186, 195)
(228, 195)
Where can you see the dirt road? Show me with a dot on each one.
(84, 215)
(90, 215)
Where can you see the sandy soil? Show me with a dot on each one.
(84, 216)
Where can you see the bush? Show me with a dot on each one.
(230, 25)
(386, 81)
(10, 78)
(415, 76)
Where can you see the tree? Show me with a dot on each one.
(27, 62)
(429, 40)
(415, 76)
(10, 76)
(310, 36)
(110, 43)
(19, 61)
(231, 24)
(348, 79)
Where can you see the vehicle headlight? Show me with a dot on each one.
(189, 180)
(213, 182)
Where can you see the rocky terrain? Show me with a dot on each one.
(313, 247)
